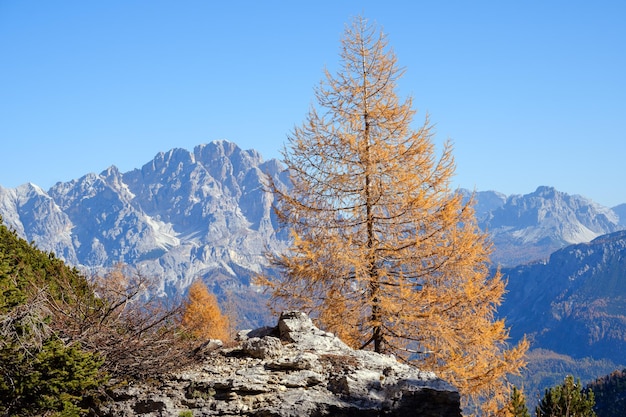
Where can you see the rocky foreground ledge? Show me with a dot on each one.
(293, 369)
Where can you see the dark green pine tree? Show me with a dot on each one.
(567, 400)
(517, 404)
(610, 394)
(39, 373)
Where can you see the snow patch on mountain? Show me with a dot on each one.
(164, 234)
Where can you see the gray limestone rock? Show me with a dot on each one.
(305, 372)
(262, 348)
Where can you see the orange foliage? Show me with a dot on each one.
(202, 316)
(384, 254)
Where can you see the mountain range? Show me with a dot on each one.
(204, 214)
(525, 228)
(182, 216)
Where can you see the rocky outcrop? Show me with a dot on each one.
(293, 369)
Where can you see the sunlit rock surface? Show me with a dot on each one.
(293, 369)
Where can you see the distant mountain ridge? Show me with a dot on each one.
(530, 227)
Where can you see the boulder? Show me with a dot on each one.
(294, 369)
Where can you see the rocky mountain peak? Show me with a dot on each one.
(111, 172)
(546, 191)
(530, 227)
(182, 216)
(620, 210)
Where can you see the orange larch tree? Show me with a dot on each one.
(202, 316)
(384, 253)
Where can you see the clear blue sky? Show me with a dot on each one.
(530, 92)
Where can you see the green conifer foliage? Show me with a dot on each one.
(40, 374)
(610, 394)
(517, 404)
(567, 400)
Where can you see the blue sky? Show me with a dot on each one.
(531, 93)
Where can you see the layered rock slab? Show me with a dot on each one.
(293, 369)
